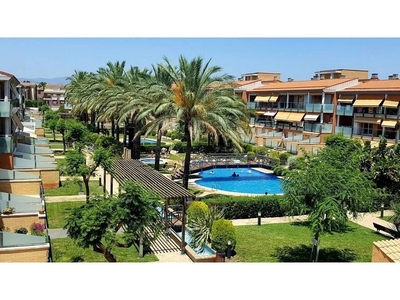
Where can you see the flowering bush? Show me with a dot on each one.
(38, 229)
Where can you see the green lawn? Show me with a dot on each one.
(291, 242)
(65, 250)
(57, 211)
(72, 189)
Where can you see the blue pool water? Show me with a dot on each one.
(249, 181)
(150, 160)
(144, 141)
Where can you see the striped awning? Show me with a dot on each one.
(282, 116)
(311, 117)
(367, 120)
(295, 117)
(346, 99)
(266, 98)
(273, 98)
(389, 123)
(262, 98)
(390, 104)
(368, 100)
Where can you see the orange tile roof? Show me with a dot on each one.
(300, 85)
(376, 85)
(244, 82)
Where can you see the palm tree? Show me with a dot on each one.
(76, 93)
(200, 99)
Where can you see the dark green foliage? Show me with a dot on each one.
(279, 170)
(22, 230)
(244, 207)
(222, 231)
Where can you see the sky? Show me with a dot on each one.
(297, 58)
(291, 38)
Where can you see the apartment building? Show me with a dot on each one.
(26, 168)
(54, 95)
(295, 115)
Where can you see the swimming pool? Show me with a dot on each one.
(249, 181)
(144, 141)
(150, 160)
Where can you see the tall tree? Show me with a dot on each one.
(200, 98)
(329, 187)
(97, 223)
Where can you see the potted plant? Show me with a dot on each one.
(38, 228)
(41, 211)
(8, 210)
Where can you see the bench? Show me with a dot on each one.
(394, 233)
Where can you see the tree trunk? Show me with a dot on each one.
(117, 133)
(86, 182)
(125, 134)
(112, 127)
(63, 139)
(158, 149)
(141, 246)
(54, 135)
(107, 254)
(186, 169)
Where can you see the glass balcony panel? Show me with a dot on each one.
(6, 144)
(327, 108)
(5, 109)
(8, 239)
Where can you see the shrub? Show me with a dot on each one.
(38, 229)
(279, 170)
(244, 207)
(251, 155)
(260, 150)
(222, 231)
(22, 230)
(197, 209)
(292, 162)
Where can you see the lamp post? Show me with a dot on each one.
(259, 218)
(382, 209)
(229, 250)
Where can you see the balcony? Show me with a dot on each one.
(318, 128)
(345, 130)
(344, 110)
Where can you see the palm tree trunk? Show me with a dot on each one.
(117, 133)
(186, 168)
(158, 149)
(63, 139)
(112, 127)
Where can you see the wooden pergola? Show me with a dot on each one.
(134, 170)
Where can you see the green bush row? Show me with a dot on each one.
(244, 207)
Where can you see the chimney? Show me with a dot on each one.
(374, 76)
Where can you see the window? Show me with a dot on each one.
(54, 102)
(367, 129)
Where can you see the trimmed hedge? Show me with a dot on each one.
(244, 207)
(222, 231)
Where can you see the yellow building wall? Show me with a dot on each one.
(21, 187)
(16, 221)
(50, 178)
(25, 254)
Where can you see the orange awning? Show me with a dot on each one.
(390, 104)
(282, 116)
(295, 117)
(389, 123)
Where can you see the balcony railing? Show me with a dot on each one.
(345, 130)
(344, 110)
(6, 144)
(8, 239)
(5, 109)
(318, 128)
